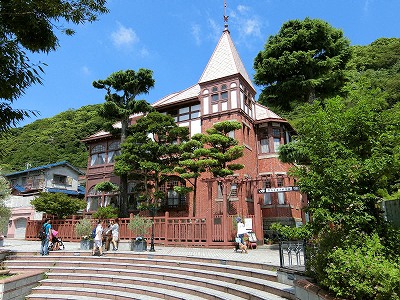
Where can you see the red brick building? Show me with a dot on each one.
(224, 92)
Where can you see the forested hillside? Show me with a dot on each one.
(380, 63)
(50, 140)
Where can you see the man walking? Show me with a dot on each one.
(44, 249)
(98, 240)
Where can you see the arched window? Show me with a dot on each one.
(93, 199)
(113, 151)
(98, 155)
(172, 198)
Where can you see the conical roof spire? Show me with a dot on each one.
(225, 61)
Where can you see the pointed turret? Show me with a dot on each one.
(225, 61)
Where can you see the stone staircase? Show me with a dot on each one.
(130, 275)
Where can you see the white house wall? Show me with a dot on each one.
(195, 127)
(72, 178)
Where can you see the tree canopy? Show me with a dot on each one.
(223, 148)
(151, 152)
(122, 89)
(304, 61)
(194, 161)
(58, 204)
(30, 26)
(346, 158)
(379, 63)
(212, 152)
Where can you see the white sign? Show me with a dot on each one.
(248, 224)
(278, 189)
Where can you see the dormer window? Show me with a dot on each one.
(219, 94)
(186, 113)
(98, 155)
(114, 150)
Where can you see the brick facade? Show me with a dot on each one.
(220, 96)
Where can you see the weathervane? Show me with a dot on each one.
(225, 16)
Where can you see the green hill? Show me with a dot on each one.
(50, 140)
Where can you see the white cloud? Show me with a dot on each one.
(251, 27)
(216, 29)
(124, 37)
(367, 6)
(196, 33)
(247, 23)
(85, 71)
(242, 8)
(144, 52)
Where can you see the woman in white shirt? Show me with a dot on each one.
(115, 234)
(241, 230)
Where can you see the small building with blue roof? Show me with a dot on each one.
(59, 177)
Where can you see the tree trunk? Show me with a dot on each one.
(123, 196)
(123, 193)
(194, 197)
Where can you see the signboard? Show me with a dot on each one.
(248, 224)
(279, 189)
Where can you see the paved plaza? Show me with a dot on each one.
(263, 254)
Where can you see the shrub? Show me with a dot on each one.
(139, 225)
(291, 233)
(107, 212)
(84, 228)
(358, 269)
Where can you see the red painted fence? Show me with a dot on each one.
(167, 231)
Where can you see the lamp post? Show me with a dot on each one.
(153, 211)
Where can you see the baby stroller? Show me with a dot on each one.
(56, 243)
(252, 240)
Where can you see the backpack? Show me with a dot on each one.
(93, 233)
(42, 233)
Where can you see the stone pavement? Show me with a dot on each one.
(263, 254)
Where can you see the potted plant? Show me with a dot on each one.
(139, 226)
(83, 229)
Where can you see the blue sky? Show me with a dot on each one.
(176, 38)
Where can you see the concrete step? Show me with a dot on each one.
(168, 288)
(189, 277)
(141, 292)
(199, 277)
(238, 259)
(144, 262)
(168, 279)
(61, 297)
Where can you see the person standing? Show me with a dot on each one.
(115, 234)
(241, 230)
(98, 239)
(107, 236)
(44, 248)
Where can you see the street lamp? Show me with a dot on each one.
(153, 210)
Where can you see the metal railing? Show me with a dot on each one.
(292, 255)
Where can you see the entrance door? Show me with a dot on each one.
(20, 228)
